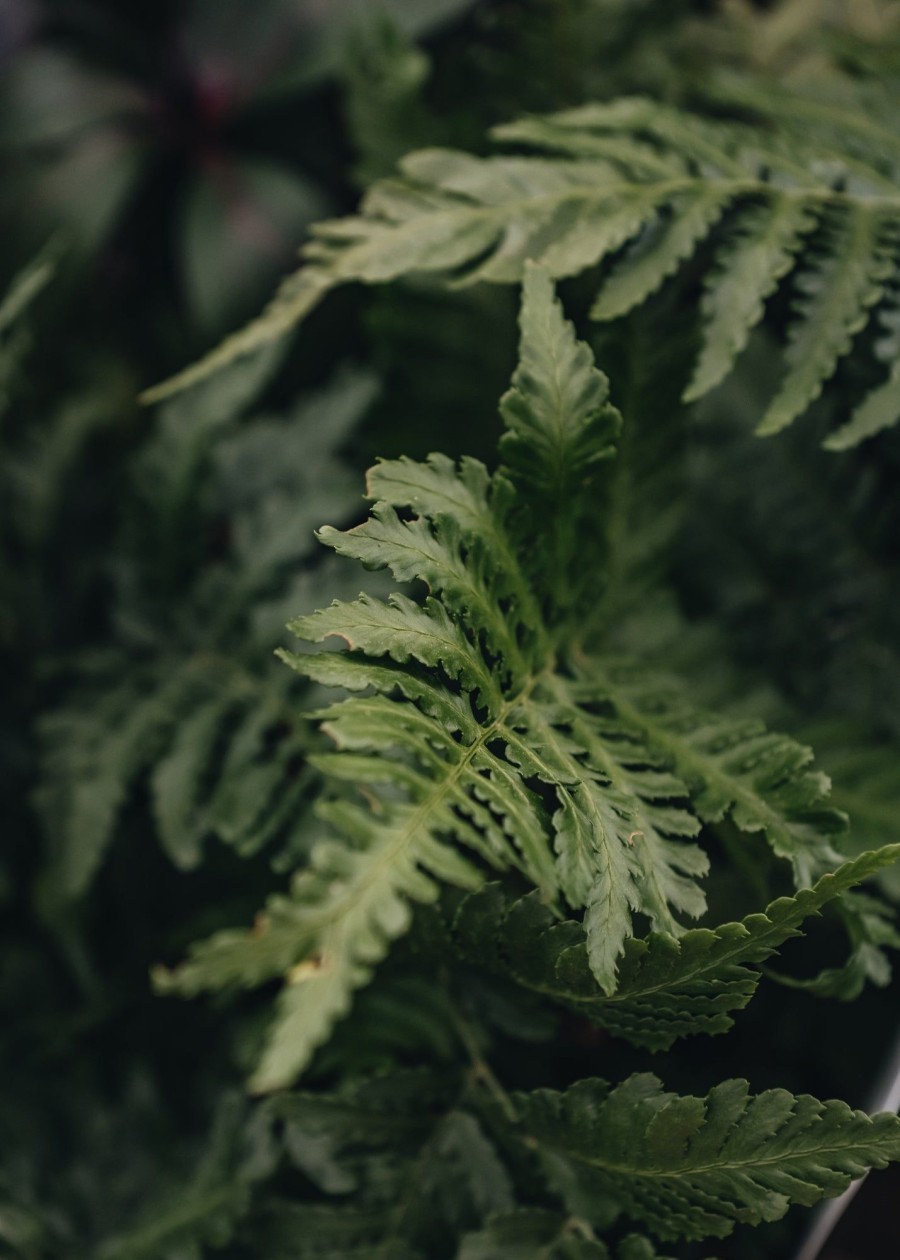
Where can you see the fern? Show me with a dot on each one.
(23, 289)
(668, 987)
(692, 1167)
(489, 737)
(638, 174)
(408, 1160)
(207, 1210)
(533, 1234)
(212, 734)
(481, 858)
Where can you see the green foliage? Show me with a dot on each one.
(541, 1235)
(692, 1167)
(23, 290)
(669, 987)
(487, 731)
(530, 819)
(203, 723)
(658, 181)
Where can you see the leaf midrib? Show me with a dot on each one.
(373, 871)
(856, 1143)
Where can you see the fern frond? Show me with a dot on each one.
(537, 1234)
(206, 1209)
(486, 720)
(668, 987)
(324, 1231)
(644, 186)
(485, 737)
(838, 291)
(533, 1234)
(21, 291)
(749, 267)
(881, 406)
(189, 702)
(762, 780)
(411, 1165)
(865, 773)
(694, 1167)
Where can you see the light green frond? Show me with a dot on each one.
(881, 406)
(559, 428)
(690, 218)
(462, 568)
(839, 289)
(748, 269)
(403, 631)
(559, 422)
(694, 1167)
(761, 779)
(642, 186)
(295, 298)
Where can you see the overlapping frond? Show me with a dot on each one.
(640, 186)
(694, 1167)
(762, 780)
(478, 735)
(668, 987)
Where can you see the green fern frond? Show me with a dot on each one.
(486, 737)
(537, 1234)
(669, 987)
(865, 773)
(762, 780)
(411, 1165)
(324, 1231)
(21, 291)
(751, 262)
(642, 186)
(838, 289)
(694, 1167)
(190, 702)
(206, 1209)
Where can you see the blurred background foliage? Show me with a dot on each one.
(162, 162)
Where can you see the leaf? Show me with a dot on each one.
(694, 1167)
(737, 768)
(559, 426)
(644, 269)
(642, 186)
(411, 1166)
(91, 758)
(533, 1234)
(467, 721)
(838, 292)
(668, 987)
(479, 736)
(185, 699)
(748, 271)
(536, 1234)
(206, 1209)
